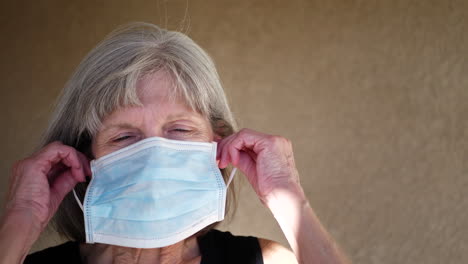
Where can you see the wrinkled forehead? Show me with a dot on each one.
(162, 85)
(138, 89)
(158, 86)
(156, 92)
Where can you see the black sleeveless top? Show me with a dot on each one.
(216, 247)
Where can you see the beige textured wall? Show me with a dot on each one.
(373, 95)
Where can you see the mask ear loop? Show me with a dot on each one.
(78, 200)
(231, 177)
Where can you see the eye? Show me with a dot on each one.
(122, 138)
(181, 130)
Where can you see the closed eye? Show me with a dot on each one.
(181, 130)
(122, 138)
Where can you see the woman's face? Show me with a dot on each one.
(158, 117)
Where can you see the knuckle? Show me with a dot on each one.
(68, 149)
(279, 140)
(275, 139)
(59, 146)
(49, 147)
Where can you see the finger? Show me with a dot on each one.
(56, 160)
(219, 149)
(221, 145)
(252, 154)
(62, 185)
(225, 155)
(58, 153)
(56, 170)
(247, 166)
(85, 164)
(233, 154)
(78, 173)
(235, 146)
(229, 147)
(249, 139)
(244, 142)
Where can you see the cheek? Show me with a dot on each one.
(97, 151)
(205, 135)
(205, 132)
(210, 135)
(93, 149)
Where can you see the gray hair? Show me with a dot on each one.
(105, 80)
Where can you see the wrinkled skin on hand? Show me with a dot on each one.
(266, 160)
(39, 183)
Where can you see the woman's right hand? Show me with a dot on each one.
(38, 185)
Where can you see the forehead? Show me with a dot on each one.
(157, 94)
(157, 87)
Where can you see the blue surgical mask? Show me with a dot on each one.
(154, 193)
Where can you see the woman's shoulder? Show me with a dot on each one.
(68, 252)
(223, 247)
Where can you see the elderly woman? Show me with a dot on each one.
(135, 166)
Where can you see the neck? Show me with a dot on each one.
(185, 251)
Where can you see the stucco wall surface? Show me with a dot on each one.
(373, 95)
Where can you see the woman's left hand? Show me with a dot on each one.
(268, 163)
(266, 160)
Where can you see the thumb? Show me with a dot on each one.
(62, 186)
